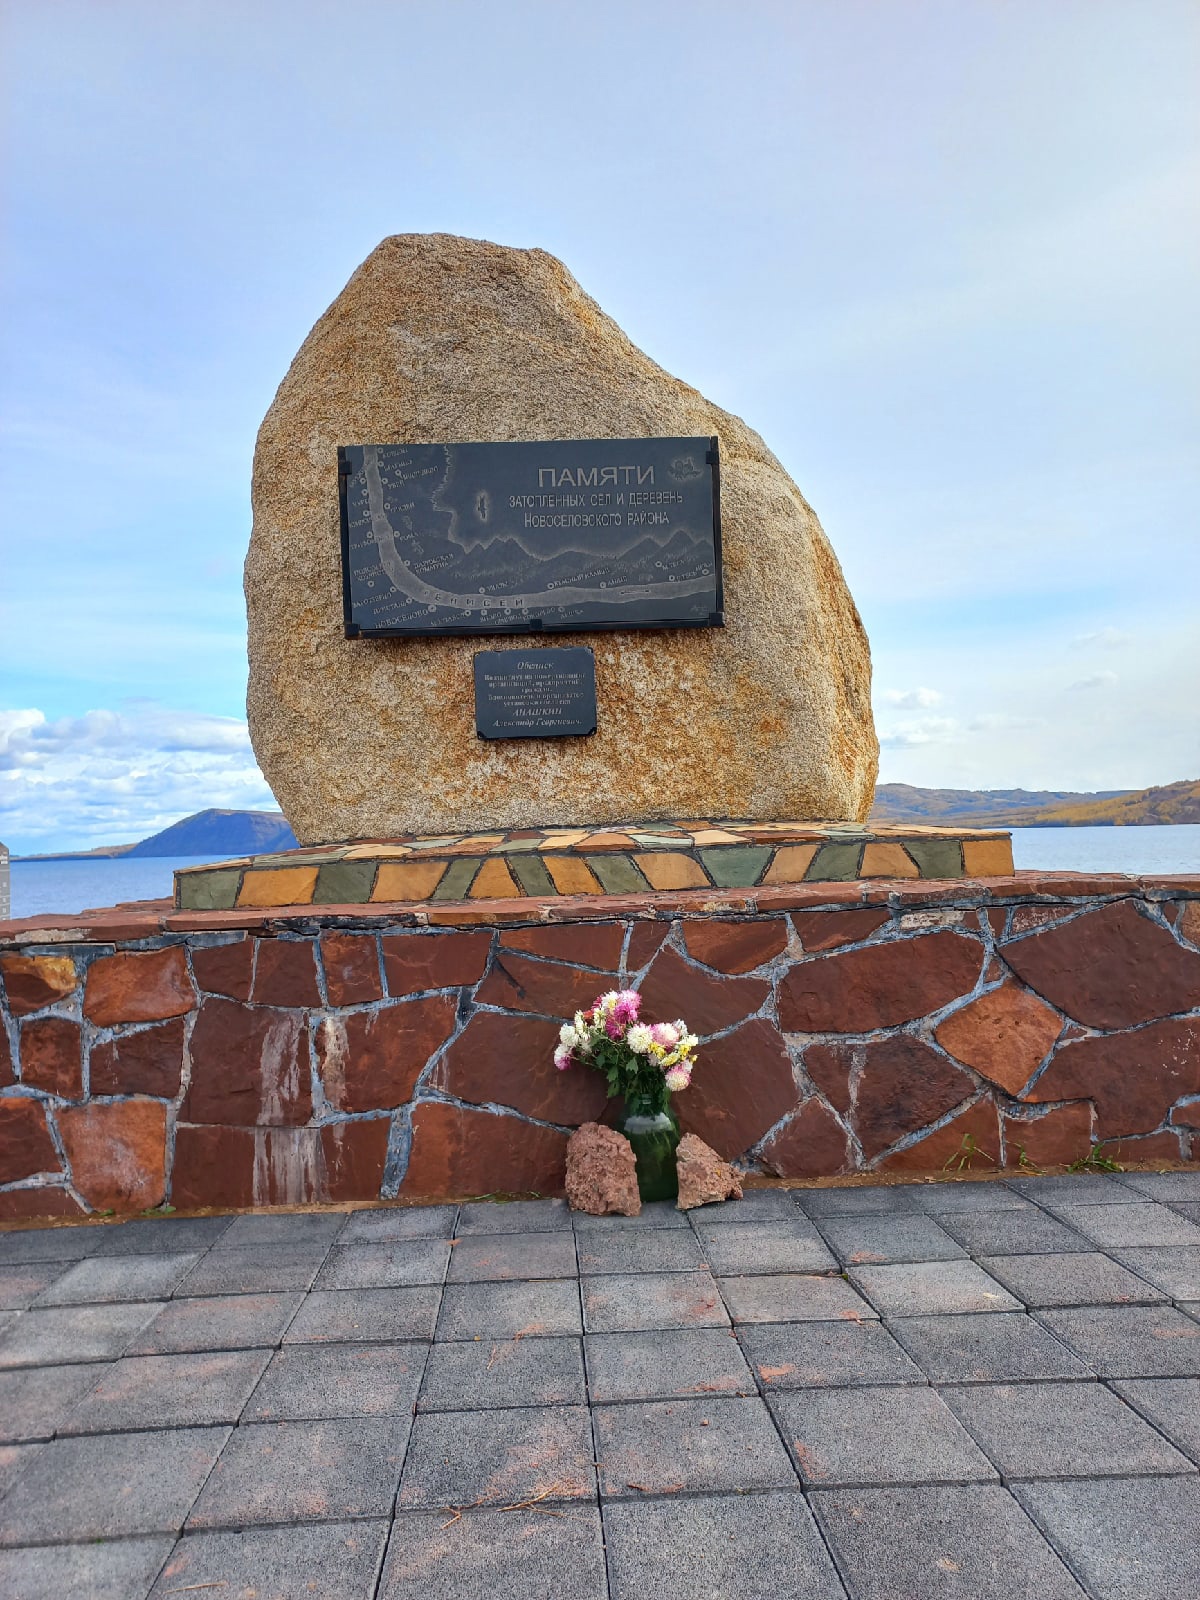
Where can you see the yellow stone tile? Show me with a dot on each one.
(606, 841)
(378, 852)
(407, 880)
(562, 839)
(668, 869)
(571, 875)
(987, 858)
(278, 886)
(715, 836)
(791, 862)
(887, 861)
(494, 881)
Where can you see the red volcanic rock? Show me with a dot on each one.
(1026, 917)
(117, 1153)
(1133, 1079)
(1189, 921)
(413, 962)
(1005, 1035)
(285, 973)
(814, 1144)
(1110, 968)
(735, 946)
(249, 1066)
(742, 1085)
(214, 1166)
(354, 1155)
(7, 1075)
(602, 1173)
(509, 1061)
(226, 969)
(644, 944)
(138, 986)
(1150, 1147)
(26, 1147)
(31, 1205)
(31, 982)
(703, 1177)
(1063, 1135)
(878, 986)
(597, 945)
(237, 1167)
(147, 1062)
(520, 984)
(351, 962)
(829, 1068)
(461, 1152)
(825, 930)
(52, 1056)
(371, 1060)
(708, 1004)
(969, 1142)
(904, 1085)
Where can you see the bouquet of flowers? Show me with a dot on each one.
(644, 1062)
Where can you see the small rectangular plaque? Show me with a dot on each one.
(535, 694)
(559, 536)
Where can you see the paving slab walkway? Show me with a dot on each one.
(947, 1390)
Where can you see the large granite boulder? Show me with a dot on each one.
(435, 339)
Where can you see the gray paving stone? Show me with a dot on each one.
(814, 1355)
(867, 1199)
(1171, 1404)
(222, 1322)
(102, 1279)
(1061, 1430)
(122, 1569)
(21, 1285)
(865, 1436)
(667, 1364)
(637, 1250)
(898, 1237)
(316, 1561)
(292, 1229)
(484, 1258)
(491, 1374)
(385, 1266)
(1127, 1538)
(657, 1214)
(793, 1297)
(756, 1205)
(73, 1333)
(1186, 1208)
(684, 1446)
(792, 1246)
(1143, 1223)
(108, 1485)
(722, 1545)
(344, 1316)
(339, 1380)
(516, 1555)
(931, 1288)
(162, 1235)
(34, 1400)
(1081, 1279)
(617, 1303)
(303, 1472)
(513, 1216)
(13, 1460)
(71, 1243)
(999, 1233)
(1072, 1188)
(383, 1225)
(468, 1458)
(1165, 1186)
(504, 1310)
(985, 1348)
(176, 1391)
(1173, 1268)
(259, 1269)
(967, 1196)
(971, 1541)
(1130, 1341)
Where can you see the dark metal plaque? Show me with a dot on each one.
(535, 694)
(518, 538)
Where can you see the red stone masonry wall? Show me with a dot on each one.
(261, 1058)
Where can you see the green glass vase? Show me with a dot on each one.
(654, 1136)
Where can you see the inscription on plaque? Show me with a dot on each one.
(561, 536)
(535, 694)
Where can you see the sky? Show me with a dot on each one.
(941, 254)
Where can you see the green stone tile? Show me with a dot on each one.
(515, 846)
(433, 844)
(660, 841)
(345, 883)
(735, 866)
(835, 863)
(617, 874)
(460, 875)
(208, 891)
(530, 872)
(937, 858)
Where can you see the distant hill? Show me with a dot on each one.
(207, 833)
(1037, 808)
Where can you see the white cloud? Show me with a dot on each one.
(919, 731)
(1102, 639)
(111, 777)
(913, 699)
(1098, 680)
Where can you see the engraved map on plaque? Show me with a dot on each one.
(518, 538)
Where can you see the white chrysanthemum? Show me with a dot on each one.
(677, 1079)
(688, 1042)
(568, 1036)
(639, 1039)
(562, 1057)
